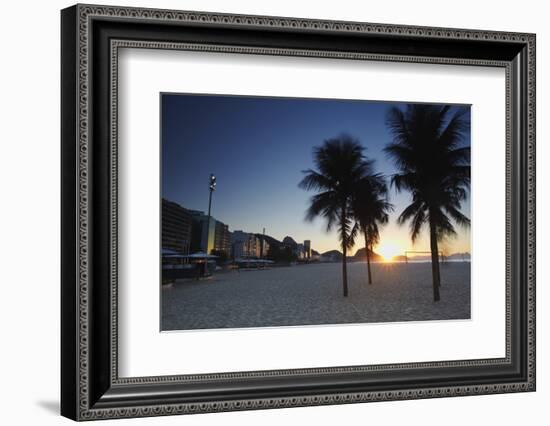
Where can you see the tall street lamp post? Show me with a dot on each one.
(212, 188)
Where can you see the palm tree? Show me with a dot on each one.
(371, 209)
(340, 165)
(433, 161)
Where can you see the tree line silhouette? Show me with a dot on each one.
(433, 165)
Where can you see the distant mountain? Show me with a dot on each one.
(454, 256)
(459, 256)
(373, 255)
(289, 241)
(269, 239)
(419, 257)
(333, 255)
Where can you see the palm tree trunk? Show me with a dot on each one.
(368, 257)
(435, 261)
(371, 249)
(345, 272)
(344, 251)
(438, 269)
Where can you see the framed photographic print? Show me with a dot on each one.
(264, 212)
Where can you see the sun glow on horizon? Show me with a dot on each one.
(389, 249)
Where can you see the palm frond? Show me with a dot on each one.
(458, 216)
(352, 235)
(404, 181)
(314, 181)
(397, 124)
(402, 155)
(419, 219)
(410, 211)
(453, 134)
(460, 156)
(324, 204)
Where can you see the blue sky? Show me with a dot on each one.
(257, 148)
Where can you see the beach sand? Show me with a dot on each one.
(312, 294)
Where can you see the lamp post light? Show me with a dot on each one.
(212, 188)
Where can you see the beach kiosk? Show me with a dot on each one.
(176, 265)
(204, 263)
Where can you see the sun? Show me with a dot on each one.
(388, 250)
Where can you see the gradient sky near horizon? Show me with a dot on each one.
(258, 147)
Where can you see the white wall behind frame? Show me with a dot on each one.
(29, 176)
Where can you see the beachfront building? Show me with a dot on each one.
(222, 238)
(176, 227)
(203, 235)
(300, 252)
(264, 247)
(246, 245)
(307, 249)
(238, 244)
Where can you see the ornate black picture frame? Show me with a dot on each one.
(91, 387)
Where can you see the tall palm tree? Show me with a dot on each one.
(429, 150)
(340, 165)
(371, 209)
